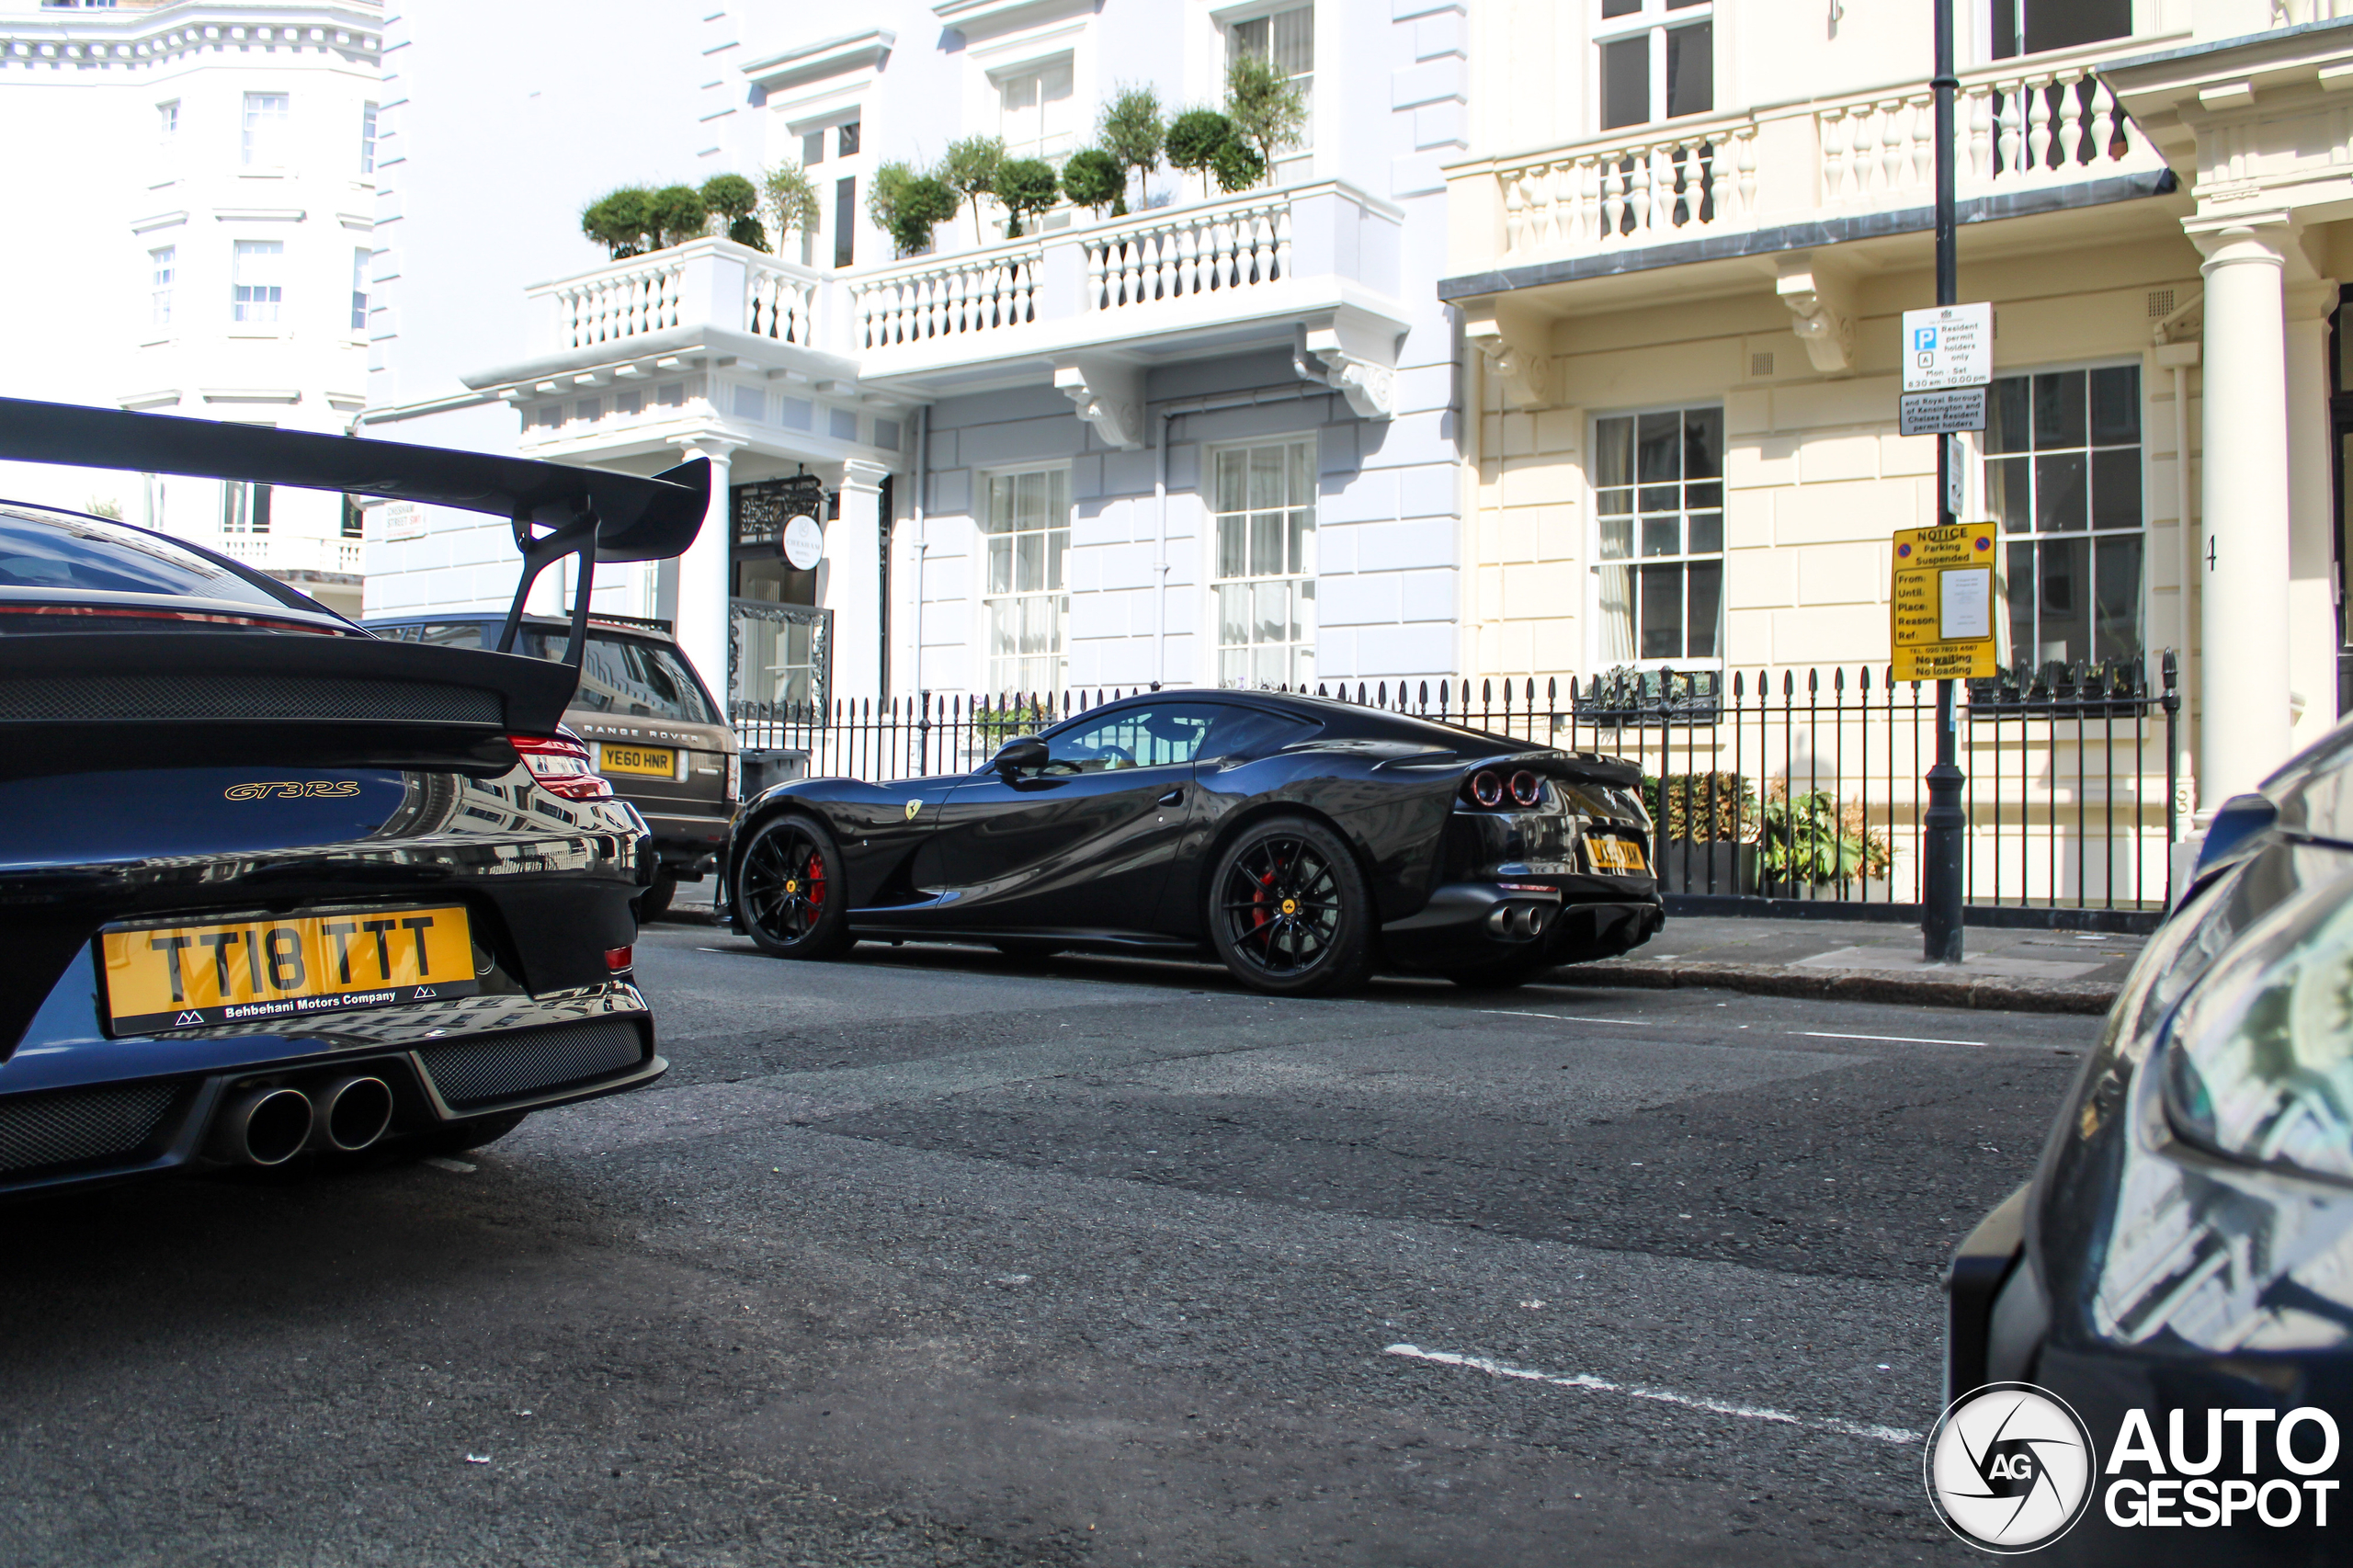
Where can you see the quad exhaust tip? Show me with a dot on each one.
(350, 1113)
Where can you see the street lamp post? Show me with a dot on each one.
(1947, 822)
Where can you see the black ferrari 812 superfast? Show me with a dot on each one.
(273, 887)
(1305, 842)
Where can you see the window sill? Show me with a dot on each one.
(258, 334)
(157, 342)
(264, 174)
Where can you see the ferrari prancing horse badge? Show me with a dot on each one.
(912, 807)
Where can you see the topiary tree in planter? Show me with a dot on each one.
(908, 206)
(675, 214)
(1092, 177)
(969, 169)
(1131, 132)
(793, 197)
(1027, 186)
(620, 221)
(735, 199)
(1237, 166)
(1193, 141)
(1266, 108)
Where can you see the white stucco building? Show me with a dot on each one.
(1032, 447)
(200, 177)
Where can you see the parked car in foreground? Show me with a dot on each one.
(1303, 841)
(653, 729)
(274, 884)
(2185, 1247)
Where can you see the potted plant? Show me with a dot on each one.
(908, 206)
(969, 169)
(1131, 132)
(1092, 177)
(1811, 847)
(1266, 107)
(1708, 825)
(736, 199)
(793, 199)
(1026, 186)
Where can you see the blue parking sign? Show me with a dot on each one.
(1923, 340)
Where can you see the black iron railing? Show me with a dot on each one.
(1762, 785)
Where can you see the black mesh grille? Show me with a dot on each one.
(167, 696)
(477, 1072)
(80, 1126)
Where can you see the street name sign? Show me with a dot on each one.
(1944, 413)
(1941, 604)
(1948, 347)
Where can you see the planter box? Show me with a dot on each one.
(1708, 867)
(1849, 891)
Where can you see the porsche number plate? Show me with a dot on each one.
(1616, 855)
(654, 762)
(178, 977)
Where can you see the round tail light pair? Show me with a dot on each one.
(1487, 787)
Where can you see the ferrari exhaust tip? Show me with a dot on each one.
(1519, 922)
(263, 1127)
(350, 1113)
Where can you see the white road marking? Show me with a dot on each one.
(1565, 1018)
(1665, 1396)
(1898, 1039)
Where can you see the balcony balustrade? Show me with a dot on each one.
(2016, 130)
(706, 282)
(290, 553)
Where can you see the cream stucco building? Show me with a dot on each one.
(1683, 274)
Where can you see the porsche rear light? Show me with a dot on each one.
(561, 765)
(1527, 788)
(619, 960)
(1486, 788)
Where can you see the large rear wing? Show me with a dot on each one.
(555, 510)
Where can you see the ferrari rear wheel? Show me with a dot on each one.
(789, 896)
(1289, 911)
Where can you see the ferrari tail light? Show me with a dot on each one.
(561, 765)
(1527, 788)
(1487, 787)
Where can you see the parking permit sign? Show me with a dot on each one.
(1948, 347)
(1942, 603)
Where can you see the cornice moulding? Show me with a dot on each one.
(104, 39)
(158, 221)
(966, 15)
(814, 61)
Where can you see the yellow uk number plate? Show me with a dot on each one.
(1616, 855)
(654, 762)
(180, 977)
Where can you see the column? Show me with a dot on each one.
(2243, 561)
(703, 632)
(2311, 512)
(853, 583)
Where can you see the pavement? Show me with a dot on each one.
(932, 1256)
(2003, 969)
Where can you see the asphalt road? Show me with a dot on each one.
(932, 1257)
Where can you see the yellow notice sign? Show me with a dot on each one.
(1942, 604)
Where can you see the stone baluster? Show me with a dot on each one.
(1638, 191)
(1977, 119)
(1095, 297)
(1721, 178)
(1894, 152)
(1516, 213)
(1830, 127)
(1189, 259)
(2038, 136)
(2007, 140)
(1613, 199)
(2075, 128)
(1744, 155)
(1163, 263)
(1923, 142)
(1282, 241)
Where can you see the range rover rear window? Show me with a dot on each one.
(618, 675)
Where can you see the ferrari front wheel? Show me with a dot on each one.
(1290, 912)
(789, 896)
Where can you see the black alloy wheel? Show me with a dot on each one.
(789, 892)
(1289, 910)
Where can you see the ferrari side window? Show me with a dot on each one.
(1244, 733)
(1133, 738)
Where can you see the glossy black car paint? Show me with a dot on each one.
(2139, 1270)
(1120, 858)
(185, 741)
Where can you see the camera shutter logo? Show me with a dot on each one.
(2010, 1468)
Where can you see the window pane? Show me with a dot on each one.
(1658, 449)
(1233, 468)
(1233, 529)
(2116, 488)
(812, 148)
(845, 221)
(1707, 533)
(1000, 564)
(1057, 545)
(1619, 7)
(1302, 542)
(1234, 614)
(1613, 453)
(1703, 443)
(1661, 612)
(2064, 601)
(1270, 615)
(2116, 404)
(1626, 81)
(1707, 581)
(2009, 492)
(1294, 41)
(1615, 611)
(2005, 422)
(1617, 538)
(1701, 497)
(1691, 70)
(2116, 631)
(1030, 501)
(2059, 410)
(1266, 476)
(847, 138)
(2060, 505)
(1302, 474)
(1029, 562)
(2020, 585)
(1266, 543)
(2063, 24)
(1662, 536)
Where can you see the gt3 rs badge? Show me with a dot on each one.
(912, 807)
(291, 789)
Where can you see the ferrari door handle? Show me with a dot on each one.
(1172, 796)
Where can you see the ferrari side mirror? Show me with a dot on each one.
(1018, 753)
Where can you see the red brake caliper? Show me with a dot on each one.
(816, 879)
